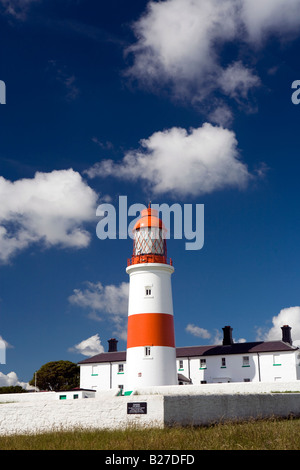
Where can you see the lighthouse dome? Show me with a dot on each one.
(149, 218)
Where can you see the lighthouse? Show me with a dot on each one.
(151, 354)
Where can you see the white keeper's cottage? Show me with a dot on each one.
(259, 361)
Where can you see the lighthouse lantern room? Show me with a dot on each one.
(151, 355)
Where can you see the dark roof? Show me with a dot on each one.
(236, 348)
(195, 351)
(76, 389)
(115, 356)
(183, 378)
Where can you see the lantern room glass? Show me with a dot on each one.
(149, 240)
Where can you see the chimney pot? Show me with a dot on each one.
(227, 336)
(286, 334)
(112, 345)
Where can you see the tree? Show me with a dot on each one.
(12, 389)
(57, 375)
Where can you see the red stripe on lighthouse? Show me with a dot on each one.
(150, 329)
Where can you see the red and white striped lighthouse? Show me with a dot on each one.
(151, 354)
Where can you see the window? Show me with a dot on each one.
(202, 363)
(147, 351)
(203, 382)
(181, 364)
(246, 361)
(62, 397)
(246, 380)
(120, 368)
(75, 396)
(223, 362)
(94, 370)
(148, 291)
(276, 360)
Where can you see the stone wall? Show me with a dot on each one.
(207, 409)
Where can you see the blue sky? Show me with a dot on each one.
(181, 101)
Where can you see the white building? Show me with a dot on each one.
(269, 361)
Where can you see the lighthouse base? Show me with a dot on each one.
(150, 367)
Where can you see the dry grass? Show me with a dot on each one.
(271, 434)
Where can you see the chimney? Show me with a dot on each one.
(286, 334)
(112, 345)
(227, 336)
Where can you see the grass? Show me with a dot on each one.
(271, 434)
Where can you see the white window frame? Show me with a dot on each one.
(148, 291)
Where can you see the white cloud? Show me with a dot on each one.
(179, 45)
(88, 347)
(109, 302)
(221, 115)
(176, 44)
(50, 208)
(266, 17)
(178, 162)
(197, 331)
(287, 316)
(236, 80)
(109, 299)
(11, 379)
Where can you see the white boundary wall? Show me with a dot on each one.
(29, 396)
(92, 413)
(46, 396)
(181, 405)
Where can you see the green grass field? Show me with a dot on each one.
(272, 434)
